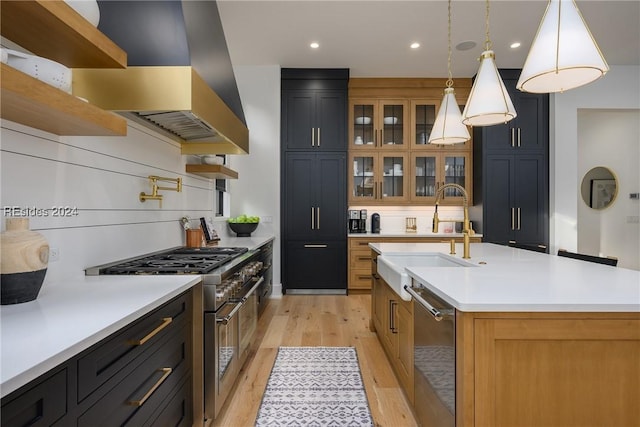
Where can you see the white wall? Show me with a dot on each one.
(619, 89)
(610, 138)
(102, 177)
(257, 189)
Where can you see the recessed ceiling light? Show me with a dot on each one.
(314, 45)
(515, 45)
(466, 45)
(415, 45)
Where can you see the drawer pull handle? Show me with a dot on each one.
(165, 375)
(363, 277)
(164, 324)
(364, 258)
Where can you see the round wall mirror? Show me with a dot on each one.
(599, 187)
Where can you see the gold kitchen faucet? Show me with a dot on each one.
(467, 232)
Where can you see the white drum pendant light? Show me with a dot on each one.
(564, 54)
(489, 102)
(448, 128)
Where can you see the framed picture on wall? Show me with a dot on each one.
(602, 192)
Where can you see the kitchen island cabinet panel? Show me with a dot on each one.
(552, 369)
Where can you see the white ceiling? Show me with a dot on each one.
(372, 38)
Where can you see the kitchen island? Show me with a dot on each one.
(540, 340)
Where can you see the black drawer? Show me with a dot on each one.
(177, 411)
(43, 404)
(110, 356)
(136, 398)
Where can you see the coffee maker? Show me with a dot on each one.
(357, 221)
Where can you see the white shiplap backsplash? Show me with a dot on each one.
(102, 177)
(393, 218)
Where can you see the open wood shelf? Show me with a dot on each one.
(212, 171)
(53, 30)
(33, 103)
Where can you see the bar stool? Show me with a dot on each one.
(612, 261)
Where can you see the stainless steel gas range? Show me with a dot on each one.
(234, 287)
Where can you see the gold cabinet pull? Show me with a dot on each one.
(513, 137)
(315, 246)
(165, 375)
(318, 217)
(518, 137)
(313, 219)
(164, 324)
(318, 137)
(364, 258)
(518, 218)
(513, 220)
(313, 137)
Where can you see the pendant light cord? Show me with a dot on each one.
(487, 42)
(450, 80)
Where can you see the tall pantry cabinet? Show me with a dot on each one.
(313, 172)
(511, 168)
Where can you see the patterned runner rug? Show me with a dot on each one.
(315, 386)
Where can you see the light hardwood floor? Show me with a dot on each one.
(313, 320)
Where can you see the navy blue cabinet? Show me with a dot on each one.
(314, 171)
(313, 119)
(511, 171)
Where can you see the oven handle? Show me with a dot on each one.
(431, 309)
(253, 289)
(226, 319)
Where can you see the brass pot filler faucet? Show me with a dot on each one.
(466, 227)
(153, 179)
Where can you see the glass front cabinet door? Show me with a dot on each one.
(429, 171)
(378, 124)
(378, 177)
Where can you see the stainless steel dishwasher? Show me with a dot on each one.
(434, 358)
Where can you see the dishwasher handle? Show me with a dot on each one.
(431, 309)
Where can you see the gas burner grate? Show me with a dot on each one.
(178, 261)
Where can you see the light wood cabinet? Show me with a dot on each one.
(430, 170)
(392, 162)
(547, 369)
(55, 31)
(380, 124)
(392, 320)
(378, 177)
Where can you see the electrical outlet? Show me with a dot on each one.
(267, 219)
(54, 254)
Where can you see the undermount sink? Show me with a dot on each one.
(392, 267)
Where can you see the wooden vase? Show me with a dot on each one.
(23, 262)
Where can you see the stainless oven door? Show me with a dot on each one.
(248, 319)
(220, 356)
(434, 359)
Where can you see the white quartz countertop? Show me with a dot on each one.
(444, 236)
(68, 318)
(516, 280)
